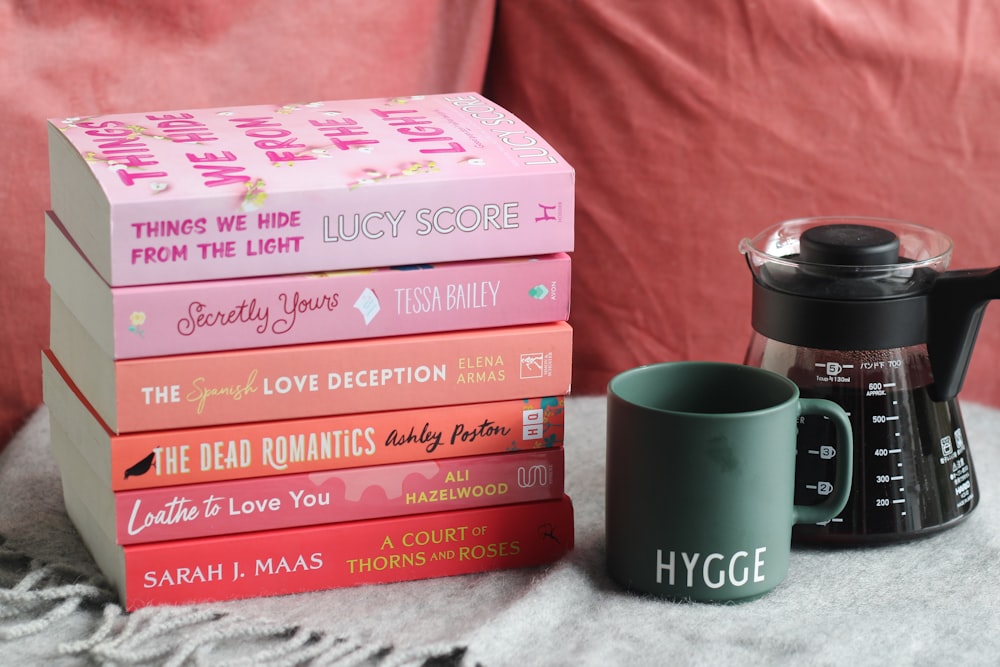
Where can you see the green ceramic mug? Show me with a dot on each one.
(701, 478)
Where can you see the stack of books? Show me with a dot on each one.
(246, 401)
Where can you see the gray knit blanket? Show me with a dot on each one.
(934, 601)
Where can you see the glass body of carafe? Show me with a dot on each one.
(913, 473)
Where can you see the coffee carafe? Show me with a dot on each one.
(862, 311)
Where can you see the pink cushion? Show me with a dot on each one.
(694, 124)
(80, 57)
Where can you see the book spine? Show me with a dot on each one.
(259, 449)
(340, 378)
(426, 228)
(185, 318)
(530, 219)
(349, 554)
(284, 501)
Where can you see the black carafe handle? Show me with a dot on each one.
(958, 301)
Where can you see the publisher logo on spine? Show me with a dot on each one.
(533, 424)
(536, 475)
(536, 365)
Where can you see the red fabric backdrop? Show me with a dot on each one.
(694, 124)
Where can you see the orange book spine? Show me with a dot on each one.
(348, 554)
(342, 378)
(259, 449)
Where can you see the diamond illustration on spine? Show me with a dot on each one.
(368, 305)
(538, 292)
(136, 321)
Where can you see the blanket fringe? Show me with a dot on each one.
(48, 594)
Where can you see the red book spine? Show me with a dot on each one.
(284, 501)
(347, 554)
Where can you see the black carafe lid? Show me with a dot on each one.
(842, 286)
(848, 245)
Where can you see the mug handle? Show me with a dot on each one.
(836, 501)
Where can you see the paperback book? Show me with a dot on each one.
(259, 449)
(307, 499)
(313, 558)
(206, 316)
(310, 380)
(189, 195)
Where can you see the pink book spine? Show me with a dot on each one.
(395, 372)
(269, 190)
(283, 501)
(315, 558)
(183, 318)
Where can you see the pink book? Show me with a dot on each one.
(283, 501)
(189, 195)
(182, 318)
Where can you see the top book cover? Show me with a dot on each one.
(174, 196)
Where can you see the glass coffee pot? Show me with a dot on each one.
(862, 311)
